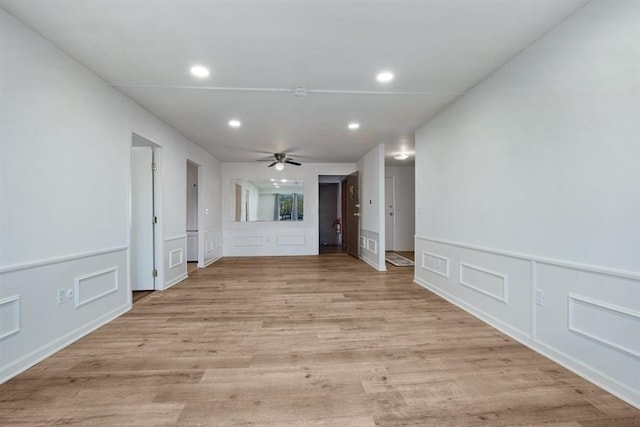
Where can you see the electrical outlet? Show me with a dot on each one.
(540, 297)
(61, 295)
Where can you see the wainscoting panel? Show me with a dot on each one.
(487, 282)
(291, 240)
(176, 257)
(33, 325)
(270, 239)
(593, 317)
(587, 318)
(9, 316)
(497, 285)
(174, 265)
(370, 252)
(93, 286)
(246, 241)
(212, 246)
(435, 263)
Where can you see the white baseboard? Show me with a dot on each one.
(373, 264)
(30, 359)
(211, 261)
(600, 379)
(175, 281)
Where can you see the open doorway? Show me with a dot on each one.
(330, 214)
(192, 220)
(143, 247)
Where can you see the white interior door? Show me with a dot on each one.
(142, 224)
(389, 222)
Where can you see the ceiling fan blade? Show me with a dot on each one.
(291, 162)
(272, 164)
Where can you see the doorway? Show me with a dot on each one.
(390, 219)
(144, 218)
(351, 214)
(330, 213)
(192, 220)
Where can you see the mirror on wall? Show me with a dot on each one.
(268, 200)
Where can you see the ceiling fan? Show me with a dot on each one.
(280, 160)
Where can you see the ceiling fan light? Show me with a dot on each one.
(279, 166)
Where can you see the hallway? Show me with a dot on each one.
(302, 341)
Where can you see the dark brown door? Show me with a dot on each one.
(352, 221)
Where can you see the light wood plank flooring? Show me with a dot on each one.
(302, 341)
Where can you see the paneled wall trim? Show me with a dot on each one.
(552, 261)
(582, 310)
(291, 240)
(372, 246)
(485, 281)
(172, 238)
(9, 316)
(93, 286)
(176, 257)
(435, 263)
(584, 317)
(57, 260)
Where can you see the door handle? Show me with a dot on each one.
(356, 214)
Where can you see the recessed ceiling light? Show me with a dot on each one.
(384, 76)
(272, 179)
(200, 71)
(353, 125)
(283, 180)
(235, 123)
(401, 157)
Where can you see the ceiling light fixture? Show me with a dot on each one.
(401, 156)
(353, 125)
(283, 180)
(384, 76)
(200, 71)
(279, 166)
(235, 123)
(272, 179)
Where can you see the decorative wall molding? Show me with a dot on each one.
(617, 316)
(291, 240)
(244, 241)
(601, 379)
(372, 245)
(208, 246)
(504, 297)
(425, 265)
(176, 258)
(363, 242)
(9, 316)
(552, 261)
(23, 363)
(171, 239)
(208, 262)
(57, 260)
(85, 282)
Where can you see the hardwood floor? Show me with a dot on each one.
(302, 341)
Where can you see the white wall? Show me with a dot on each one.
(65, 192)
(274, 238)
(530, 184)
(372, 233)
(404, 209)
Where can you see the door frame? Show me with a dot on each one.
(139, 139)
(391, 247)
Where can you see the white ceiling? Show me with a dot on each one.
(437, 50)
